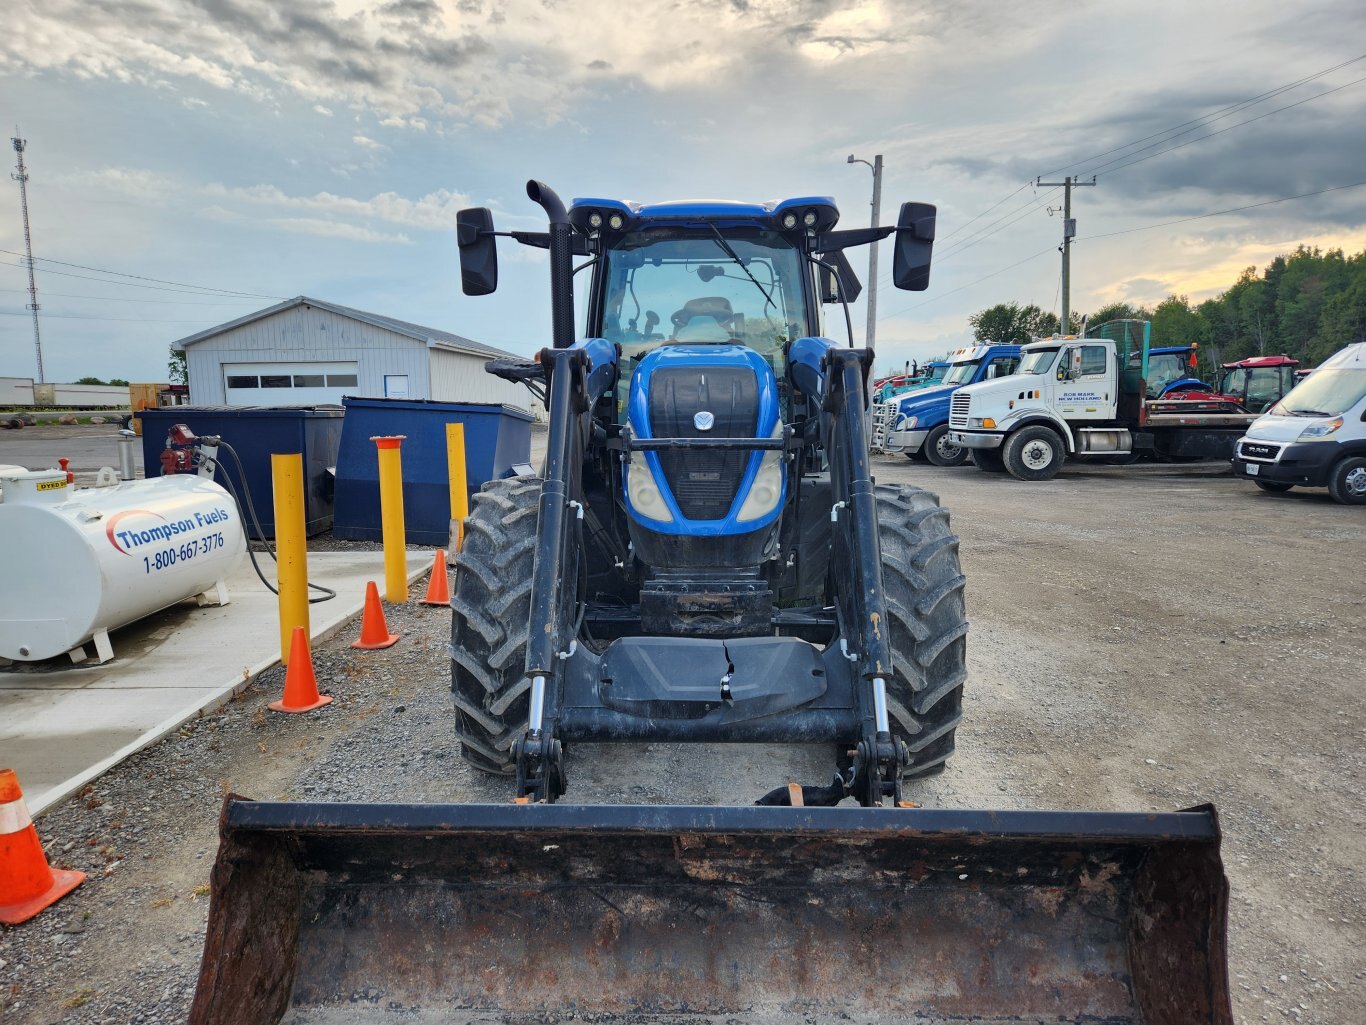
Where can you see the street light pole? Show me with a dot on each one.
(876, 166)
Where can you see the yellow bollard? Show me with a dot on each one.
(460, 495)
(391, 517)
(291, 546)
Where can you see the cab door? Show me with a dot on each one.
(1086, 382)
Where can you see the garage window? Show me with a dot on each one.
(308, 380)
(243, 382)
(277, 381)
(341, 380)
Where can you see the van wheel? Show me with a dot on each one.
(940, 451)
(1273, 486)
(1034, 453)
(1347, 481)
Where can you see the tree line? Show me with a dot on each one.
(1308, 305)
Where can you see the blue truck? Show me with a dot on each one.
(917, 422)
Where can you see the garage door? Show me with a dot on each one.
(287, 384)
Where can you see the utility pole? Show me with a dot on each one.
(1069, 231)
(21, 176)
(876, 165)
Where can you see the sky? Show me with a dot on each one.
(261, 149)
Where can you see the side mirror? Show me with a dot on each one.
(478, 250)
(914, 246)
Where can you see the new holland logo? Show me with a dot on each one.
(704, 421)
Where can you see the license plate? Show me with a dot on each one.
(1253, 469)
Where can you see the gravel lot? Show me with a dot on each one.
(1140, 641)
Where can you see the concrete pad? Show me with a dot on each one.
(63, 725)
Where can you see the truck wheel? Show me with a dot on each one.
(490, 612)
(1273, 486)
(923, 584)
(1347, 481)
(940, 451)
(988, 460)
(1034, 453)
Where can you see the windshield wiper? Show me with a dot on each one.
(1309, 412)
(726, 248)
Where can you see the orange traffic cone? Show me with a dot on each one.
(374, 631)
(438, 587)
(301, 686)
(27, 884)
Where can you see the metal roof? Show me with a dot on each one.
(430, 336)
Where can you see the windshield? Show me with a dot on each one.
(699, 286)
(1329, 392)
(1037, 361)
(961, 373)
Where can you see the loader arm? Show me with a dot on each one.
(837, 378)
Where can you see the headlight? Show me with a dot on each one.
(1319, 431)
(789, 220)
(616, 222)
(595, 220)
(644, 493)
(911, 421)
(809, 218)
(767, 489)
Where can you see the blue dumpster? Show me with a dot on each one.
(497, 438)
(256, 433)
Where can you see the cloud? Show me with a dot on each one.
(318, 108)
(364, 142)
(433, 212)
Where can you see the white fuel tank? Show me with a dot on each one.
(77, 564)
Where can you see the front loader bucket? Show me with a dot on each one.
(362, 913)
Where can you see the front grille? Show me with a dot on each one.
(1257, 450)
(958, 409)
(704, 483)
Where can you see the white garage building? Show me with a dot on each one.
(307, 351)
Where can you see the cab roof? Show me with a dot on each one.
(703, 210)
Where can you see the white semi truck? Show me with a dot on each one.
(1085, 398)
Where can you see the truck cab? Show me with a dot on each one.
(1085, 398)
(917, 423)
(1315, 436)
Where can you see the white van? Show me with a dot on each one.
(1316, 435)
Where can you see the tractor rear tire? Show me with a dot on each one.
(923, 584)
(491, 609)
(988, 460)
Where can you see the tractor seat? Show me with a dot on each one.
(706, 319)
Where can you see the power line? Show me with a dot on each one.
(129, 320)
(127, 299)
(140, 277)
(1317, 96)
(1006, 220)
(134, 284)
(1219, 213)
(944, 295)
(1222, 112)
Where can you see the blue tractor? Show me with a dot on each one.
(705, 556)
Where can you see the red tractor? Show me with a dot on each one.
(1254, 384)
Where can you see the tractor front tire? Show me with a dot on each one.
(923, 584)
(491, 609)
(1034, 453)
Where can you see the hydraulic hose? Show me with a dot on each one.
(250, 510)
